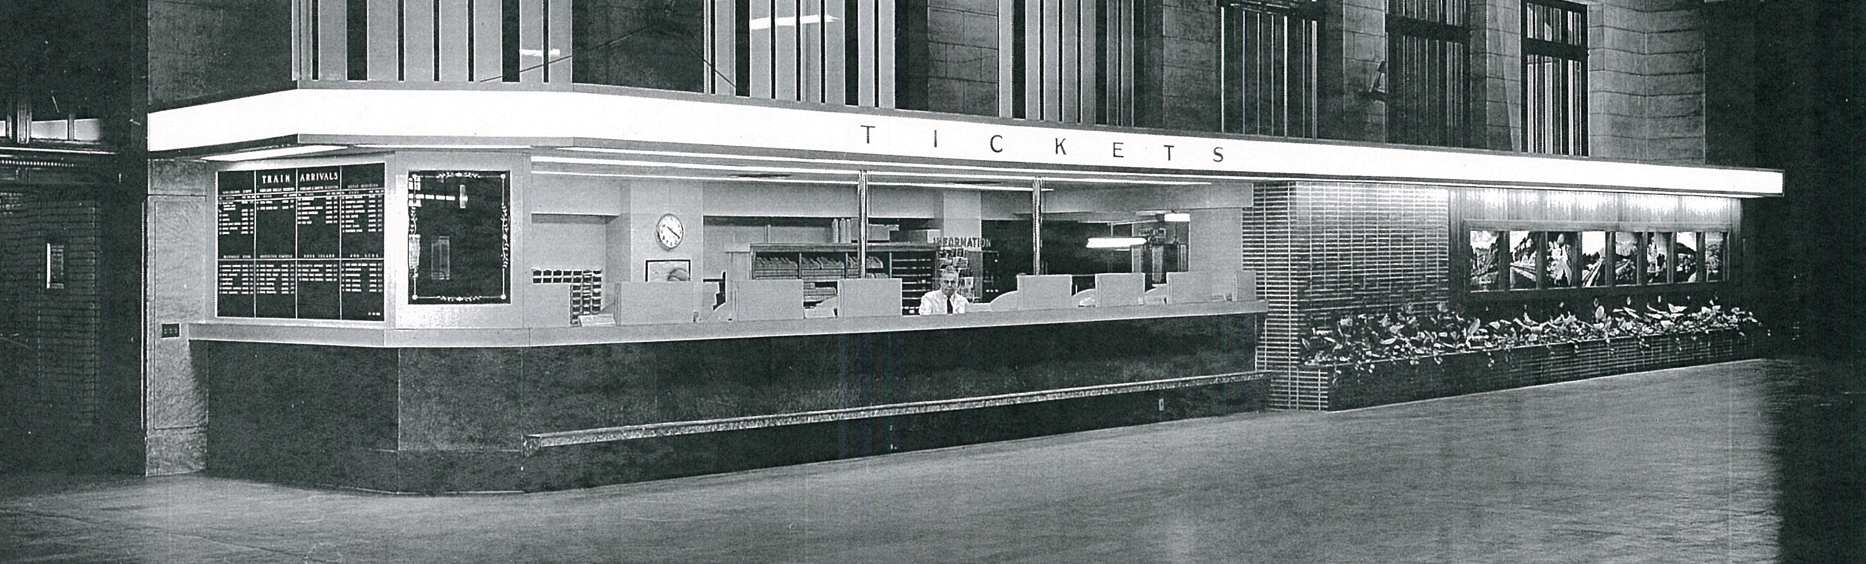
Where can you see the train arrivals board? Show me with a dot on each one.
(302, 243)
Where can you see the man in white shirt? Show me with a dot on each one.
(946, 299)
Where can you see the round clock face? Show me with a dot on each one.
(668, 231)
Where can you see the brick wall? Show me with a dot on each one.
(51, 353)
(1326, 250)
(1270, 242)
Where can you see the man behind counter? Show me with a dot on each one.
(946, 299)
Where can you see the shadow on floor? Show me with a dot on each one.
(1819, 419)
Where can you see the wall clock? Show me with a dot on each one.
(668, 231)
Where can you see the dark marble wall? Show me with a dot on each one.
(1178, 74)
(948, 56)
(687, 455)
(569, 388)
(205, 50)
(297, 413)
(454, 419)
(460, 399)
(642, 44)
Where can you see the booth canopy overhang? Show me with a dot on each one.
(607, 131)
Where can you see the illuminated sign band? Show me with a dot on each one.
(725, 123)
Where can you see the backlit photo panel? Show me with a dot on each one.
(1686, 258)
(1486, 268)
(1594, 271)
(1523, 261)
(1714, 261)
(1658, 258)
(1626, 255)
(1564, 261)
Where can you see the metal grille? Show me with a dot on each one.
(1449, 12)
(1270, 68)
(1068, 60)
(825, 51)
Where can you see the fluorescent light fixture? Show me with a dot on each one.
(1115, 242)
(51, 150)
(1019, 174)
(686, 166)
(1176, 217)
(693, 178)
(462, 147)
(950, 186)
(274, 153)
(790, 21)
(823, 182)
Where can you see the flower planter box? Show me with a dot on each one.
(1344, 386)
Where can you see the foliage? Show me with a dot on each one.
(1402, 335)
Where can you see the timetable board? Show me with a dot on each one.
(301, 243)
(459, 237)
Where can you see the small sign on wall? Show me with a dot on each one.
(675, 270)
(54, 266)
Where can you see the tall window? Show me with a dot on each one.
(1554, 77)
(1067, 60)
(1269, 67)
(1428, 44)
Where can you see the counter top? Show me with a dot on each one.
(562, 336)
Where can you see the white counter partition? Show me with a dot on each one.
(868, 297)
(637, 303)
(761, 300)
(1120, 289)
(1246, 288)
(1225, 284)
(547, 305)
(1189, 287)
(1049, 291)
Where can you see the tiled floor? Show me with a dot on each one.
(1669, 466)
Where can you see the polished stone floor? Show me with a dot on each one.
(1669, 466)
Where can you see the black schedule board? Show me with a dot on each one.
(302, 243)
(460, 237)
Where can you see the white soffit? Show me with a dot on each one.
(536, 114)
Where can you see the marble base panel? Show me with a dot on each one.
(639, 460)
(175, 451)
(455, 419)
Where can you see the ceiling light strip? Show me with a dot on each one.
(1046, 173)
(691, 166)
(647, 176)
(273, 153)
